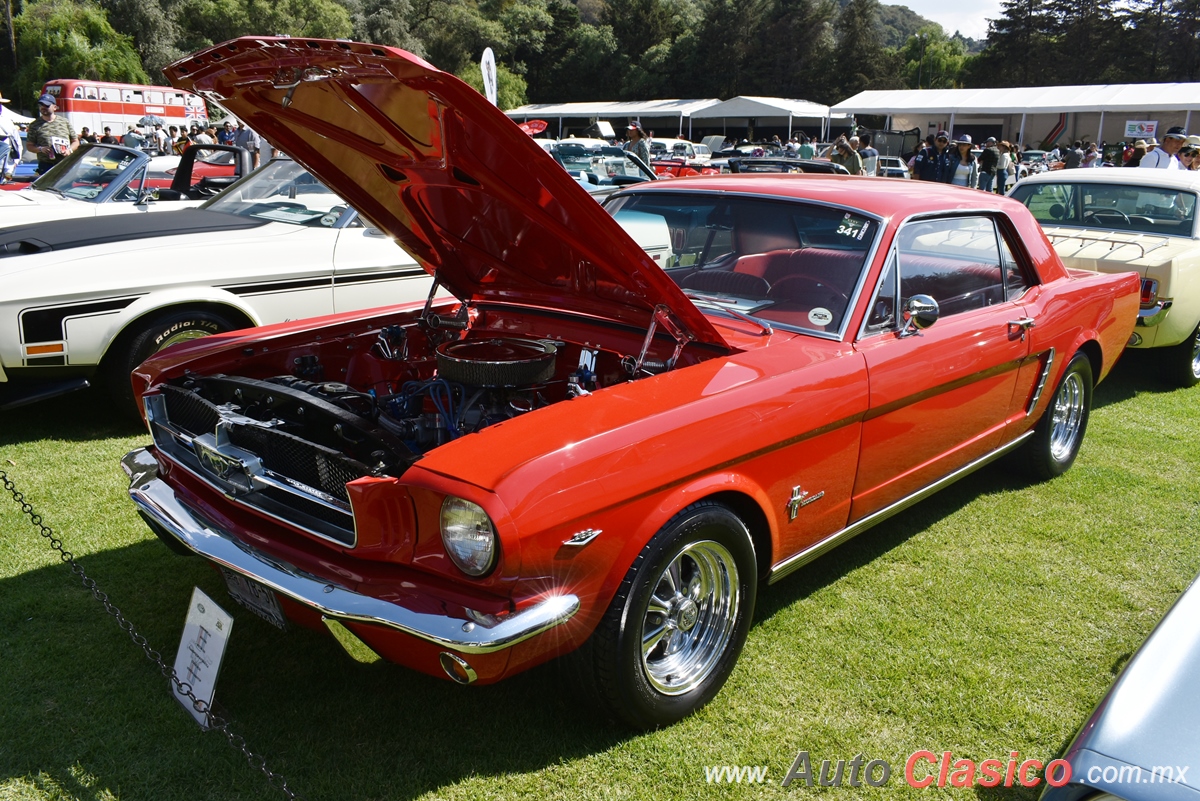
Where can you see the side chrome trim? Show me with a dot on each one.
(470, 633)
(798, 560)
(1041, 384)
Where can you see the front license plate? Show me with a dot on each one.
(255, 597)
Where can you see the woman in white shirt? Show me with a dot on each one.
(1002, 167)
(966, 169)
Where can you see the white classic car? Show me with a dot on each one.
(97, 180)
(92, 298)
(1119, 220)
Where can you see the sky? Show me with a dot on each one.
(968, 16)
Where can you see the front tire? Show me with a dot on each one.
(148, 337)
(675, 628)
(1055, 443)
(1182, 361)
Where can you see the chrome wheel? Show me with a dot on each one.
(690, 617)
(1070, 408)
(181, 336)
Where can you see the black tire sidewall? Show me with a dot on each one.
(640, 703)
(1179, 361)
(144, 339)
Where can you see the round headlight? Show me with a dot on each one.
(469, 536)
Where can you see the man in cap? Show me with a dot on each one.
(10, 143)
(50, 136)
(1163, 156)
(161, 141)
(936, 162)
(989, 160)
(639, 144)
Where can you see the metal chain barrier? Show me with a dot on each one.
(215, 721)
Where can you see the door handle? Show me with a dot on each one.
(1023, 324)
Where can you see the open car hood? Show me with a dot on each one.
(426, 158)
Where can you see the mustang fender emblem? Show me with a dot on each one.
(801, 498)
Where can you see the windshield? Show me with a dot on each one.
(790, 263)
(603, 166)
(90, 173)
(282, 191)
(1111, 207)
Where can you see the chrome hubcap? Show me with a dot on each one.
(181, 336)
(1068, 417)
(690, 617)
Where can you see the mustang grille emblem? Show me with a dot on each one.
(215, 462)
(801, 498)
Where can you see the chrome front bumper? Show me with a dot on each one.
(468, 634)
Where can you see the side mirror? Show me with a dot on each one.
(147, 195)
(920, 312)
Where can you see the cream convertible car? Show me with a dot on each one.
(1113, 221)
(90, 299)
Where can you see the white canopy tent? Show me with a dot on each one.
(750, 107)
(634, 109)
(1129, 100)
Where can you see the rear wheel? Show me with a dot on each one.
(1055, 442)
(1182, 361)
(675, 628)
(149, 337)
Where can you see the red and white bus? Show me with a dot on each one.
(99, 104)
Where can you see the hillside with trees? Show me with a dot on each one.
(573, 50)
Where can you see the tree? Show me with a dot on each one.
(510, 87)
(797, 45)
(858, 57)
(154, 31)
(1020, 47)
(385, 22)
(69, 39)
(213, 21)
(932, 60)
(638, 25)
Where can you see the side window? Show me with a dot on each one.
(956, 261)
(1015, 281)
(78, 93)
(110, 95)
(882, 316)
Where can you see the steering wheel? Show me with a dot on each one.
(1101, 214)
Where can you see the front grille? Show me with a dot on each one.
(287, 455)
(289, 464)
(190, 412)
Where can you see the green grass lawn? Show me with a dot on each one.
(988, 619)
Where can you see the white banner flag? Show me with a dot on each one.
(488, 65)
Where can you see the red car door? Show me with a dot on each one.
(939, 397)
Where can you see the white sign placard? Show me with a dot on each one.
(1140, 129)
(487, 65)
(201, 649)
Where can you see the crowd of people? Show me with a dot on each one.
(176, 139)
(941, 160)
(52, 137)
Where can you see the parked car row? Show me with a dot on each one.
(532, 458)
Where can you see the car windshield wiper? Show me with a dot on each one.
(720, 304)
(52, 190)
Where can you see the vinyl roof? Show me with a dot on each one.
(1124, 97)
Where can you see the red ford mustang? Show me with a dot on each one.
(584, 452)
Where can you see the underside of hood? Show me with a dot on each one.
(426, 158)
